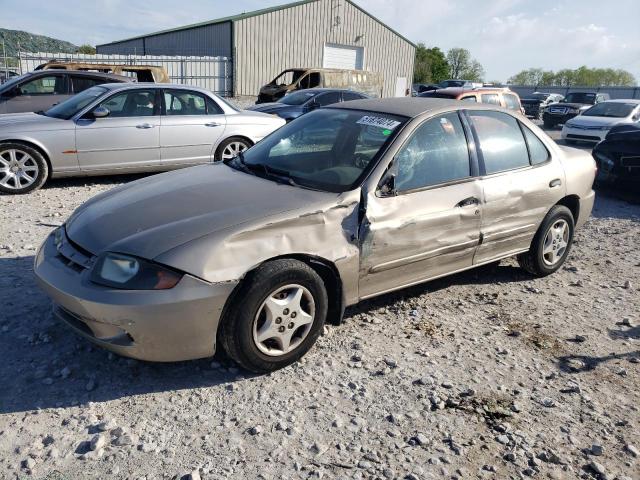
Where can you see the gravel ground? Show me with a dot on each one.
(486, 374)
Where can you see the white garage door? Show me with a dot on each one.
(343, 56)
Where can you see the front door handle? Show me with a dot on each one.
(144, 126)
(467, 202)
(212, 124)
(556, 182)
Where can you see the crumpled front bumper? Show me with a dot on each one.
(156, 325)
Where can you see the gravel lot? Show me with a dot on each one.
(486, 374)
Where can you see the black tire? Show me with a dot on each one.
(549, 123)
(219, 155)
(533, 261)
(236, 332)
(35, 162)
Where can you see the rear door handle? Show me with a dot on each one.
(556, 182)
(212, 124)
(144, 126)
(467, 202)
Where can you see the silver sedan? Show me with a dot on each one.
(124, 128)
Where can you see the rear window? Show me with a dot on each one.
(492, 98)
(511, 101)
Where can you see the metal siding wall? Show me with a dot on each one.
(208, 40)
(295, 37)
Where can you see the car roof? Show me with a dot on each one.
(624, 100)
(325, 89)
(174, 86)
(81, 73)
(409, 106)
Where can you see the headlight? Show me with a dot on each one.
(58, 235)
(130, 273)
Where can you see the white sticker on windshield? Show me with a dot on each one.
(381, 122)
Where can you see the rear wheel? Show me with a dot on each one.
(231, 148)
(22, 168)
(551, 244)
(278, 314)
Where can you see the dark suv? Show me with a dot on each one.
(535, 103)
(571, 106)
(40, 90)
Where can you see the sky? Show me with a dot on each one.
(506, 36)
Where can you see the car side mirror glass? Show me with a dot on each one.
(388, 185)
(100, 112)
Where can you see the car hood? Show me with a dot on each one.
(151, 216)
(572, 105)
(30, 122)
(588, 121)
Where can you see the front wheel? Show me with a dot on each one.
(231, 148)
(276, 317)
(22, 168)
(551, 244)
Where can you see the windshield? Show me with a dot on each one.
(9, 84)
(580, 98)
(73, 105)
(226, 102)
(452, 83)
(610, 110)
(297, 98)
(329, 149)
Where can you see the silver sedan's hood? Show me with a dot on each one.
(28, 122)
(151, 216)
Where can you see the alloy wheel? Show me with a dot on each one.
(18, 169)
(556, 242)
(233, 149)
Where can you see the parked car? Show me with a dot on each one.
(369, 83)
(571, 106)
(502, 97)
(141, 73)
(535, 103)
(618, 157)
(299, 102)
(594, 124)
(6, 75)
(124, 128)
(255, 254)
(418, 88)
(36, 91)
(459, 83)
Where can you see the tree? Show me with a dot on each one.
(463, 66)
(582, 76)
(431, 65)
(473, 72)
(88, 49)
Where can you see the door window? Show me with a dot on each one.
(346, 96)
(436, 153)
(49, 85)
(185, 102)
(511, 101)
(491, 98)
(132, 103)
(328, 98)
(310, 81)
(537, 151)
(501, 142)
(80, 84)
(472, 98)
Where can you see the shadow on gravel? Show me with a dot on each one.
(43, 364)
(585, 363)
(75, 182)
(628, 333)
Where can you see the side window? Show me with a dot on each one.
(310, 81)
(184, 102)
(437, 152)
(511, 101)
(501, 142)
(346, 96)
(213, 108)
(537, 151)
(328, 98)
(49, 85)
(492, 98)
(132, 103)
(471, 98)
(80, 84)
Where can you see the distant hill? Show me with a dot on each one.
(29, 42)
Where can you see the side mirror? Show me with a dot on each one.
(100, 112)
(388, 185)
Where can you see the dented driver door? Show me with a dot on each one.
(428, 224)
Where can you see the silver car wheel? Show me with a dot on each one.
(556, 242)
(18, 169)
(233, 149)
(283, 320)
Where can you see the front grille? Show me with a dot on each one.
(73, 255)
(630, 162)
(583, 137)
(558, 110)
(586, 127)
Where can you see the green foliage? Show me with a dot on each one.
(16, 40)
(88, 49)
(431, 65)
(463, 66)
(583, 76)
